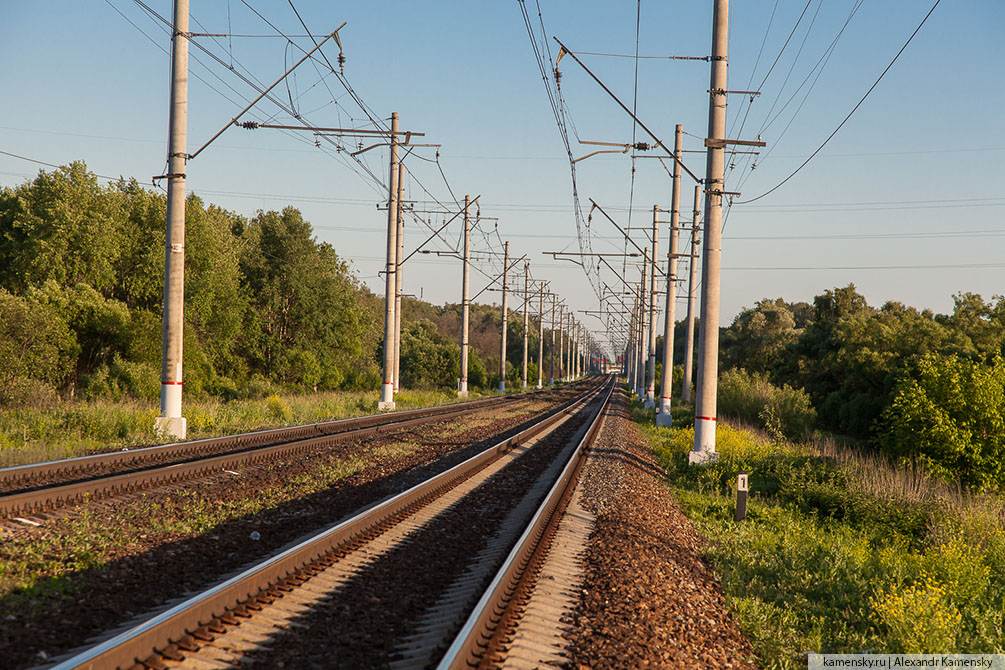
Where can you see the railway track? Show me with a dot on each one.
(393, 584)
(42, 487)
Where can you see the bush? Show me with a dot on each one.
(918, 619)
(278, 409)
(37, 349)
(950, 416)
(824, 563)
(140, 380)
(783, 412)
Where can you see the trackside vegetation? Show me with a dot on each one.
(841, 552)
(273, 318)
(916, 386)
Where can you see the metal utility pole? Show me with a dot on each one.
(708, 348)
(171, 423)
(663, 416)
(691, 293)
(502, 348)
(387, 389)
(462, 384)
(526, 305)
(398, 278)
(653, 287)
(554, 311)
(540, 340)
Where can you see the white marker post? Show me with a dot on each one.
(741, 497)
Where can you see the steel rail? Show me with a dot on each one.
(182, 625)
(195, 448)
(188, 460)
(480, 633)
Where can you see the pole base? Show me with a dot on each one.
(387, 397)
(539, 386)
(172, 427)
(650, 402)
(663, 417)
(702, 457)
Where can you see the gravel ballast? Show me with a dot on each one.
(648, 599)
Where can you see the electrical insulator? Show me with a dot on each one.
(642, 146)
(341, 61)
(558, 76)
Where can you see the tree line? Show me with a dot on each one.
(267, 305)
(911, 383)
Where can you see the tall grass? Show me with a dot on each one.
(842, 551)
(782, 411)
(32, 435)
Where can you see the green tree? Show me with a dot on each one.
(63, 227)
(302, 300)
(428, 360)
(758, 336)
(950, 415)
(37, 349)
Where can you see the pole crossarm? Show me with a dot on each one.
(629, 285)
(493, 280)
(437, 232)
(233, 122)
(565, 50)
(254, 125)
(623, 232)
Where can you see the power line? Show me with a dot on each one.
(927, 266)
(52, 165)
(845, 120)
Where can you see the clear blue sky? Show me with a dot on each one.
(907, 200)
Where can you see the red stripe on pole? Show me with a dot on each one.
(171, 383)
(706, 418)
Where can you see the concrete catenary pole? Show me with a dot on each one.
(692, 287)
(561, 342)
(398, 279)
(554, 311)
(171, 423)
(526, 323)
(462, 383)
(387, 389)
(568, 341)
(575, 345)
(540, 339)
(582, 350)
(502, 346)
(666, 381)
(708, 348)
(650, 401)
(647, 325)
(630, 349)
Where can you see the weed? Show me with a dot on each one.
(841, 552)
